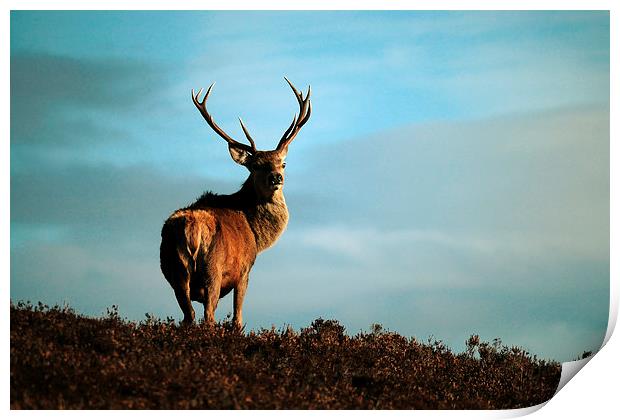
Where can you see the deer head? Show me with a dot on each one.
(266, 167)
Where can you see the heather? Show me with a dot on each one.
(63, 360)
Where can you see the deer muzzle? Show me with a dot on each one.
(275, 179)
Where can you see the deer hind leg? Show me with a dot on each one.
(176, 271)
(212, 297)
(181, 291)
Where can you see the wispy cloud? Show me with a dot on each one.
(482, 210)
(453, 179)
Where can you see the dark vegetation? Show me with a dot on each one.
(63, 360)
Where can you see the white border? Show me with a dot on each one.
(592, 394)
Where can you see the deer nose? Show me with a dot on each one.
(275, 178)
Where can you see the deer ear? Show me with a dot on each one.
(239, 155)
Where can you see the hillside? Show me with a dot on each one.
(60, 359)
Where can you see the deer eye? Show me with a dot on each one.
(284, 164)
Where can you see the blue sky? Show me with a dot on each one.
(453, 178)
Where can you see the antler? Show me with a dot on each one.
(305, 109)
(202, 107)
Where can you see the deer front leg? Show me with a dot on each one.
(238, 302)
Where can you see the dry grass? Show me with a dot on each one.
(63, 360)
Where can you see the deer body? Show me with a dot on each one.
(209, 247)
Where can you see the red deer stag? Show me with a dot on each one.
(208, 248)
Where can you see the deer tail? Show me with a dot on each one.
(192, 241)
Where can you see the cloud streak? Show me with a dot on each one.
(481, 214)
(454, 177)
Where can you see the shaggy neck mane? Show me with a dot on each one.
(244, 198)
(267, 217)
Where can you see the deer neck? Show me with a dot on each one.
(267, 217)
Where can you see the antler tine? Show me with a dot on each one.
(247, 134)
(309, 92)
(289, 129)
(303, 103)
(202, 107)
(305, 109)
(307, 116)
(295, 91)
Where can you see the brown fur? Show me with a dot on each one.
(209, 247)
